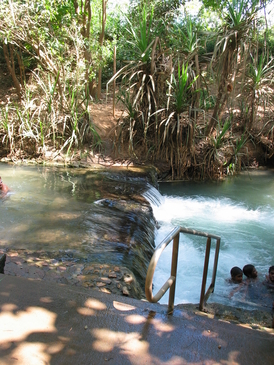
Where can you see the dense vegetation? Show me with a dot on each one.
(197, 89)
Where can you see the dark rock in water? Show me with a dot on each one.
(2, 263)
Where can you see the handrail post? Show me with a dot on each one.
(208, 244)
(215, 263)
(174, 263)
(171, 281)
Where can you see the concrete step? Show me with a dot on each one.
(49, 323)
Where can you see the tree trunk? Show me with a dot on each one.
(101, 42)
(222, 91)
(214, 119)
(253, 110)
(11, 67)
(86, 32)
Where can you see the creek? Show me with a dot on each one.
(107, 216)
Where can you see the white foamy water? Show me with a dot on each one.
(240, 212)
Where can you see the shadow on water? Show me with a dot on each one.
(78, 214)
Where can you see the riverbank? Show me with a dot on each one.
(257, 152)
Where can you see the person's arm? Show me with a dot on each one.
(238, 288)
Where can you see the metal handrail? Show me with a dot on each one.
(171, 281)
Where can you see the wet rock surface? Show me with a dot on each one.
(40, 265)
(256, 319)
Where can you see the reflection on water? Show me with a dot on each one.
(240, 210)
(91, 215)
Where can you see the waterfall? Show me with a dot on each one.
(153, 196)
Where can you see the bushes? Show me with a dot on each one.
(55, 102)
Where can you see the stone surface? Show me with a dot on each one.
(96, 276)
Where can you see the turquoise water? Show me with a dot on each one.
(78, 213)
(240, 210)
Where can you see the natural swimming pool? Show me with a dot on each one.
(61, 209)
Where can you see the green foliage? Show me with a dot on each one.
(163, 10)
(180, 85)
(235, 163)
(190, 41)
(125, 98)
(60, 45)
(220, 138)
(216, 5)
(236, 11)
(235, 8)
(183, 37)
(214, 155)
(206, 101)
(266, 38)
(50, 33)
(239, 144)
(259, 80)
(260, 72)
(141, 37)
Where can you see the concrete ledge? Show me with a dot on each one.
(49, 323)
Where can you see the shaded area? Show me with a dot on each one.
(53, 324)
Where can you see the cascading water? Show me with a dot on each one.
(240, 211)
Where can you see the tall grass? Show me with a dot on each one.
(55, 107)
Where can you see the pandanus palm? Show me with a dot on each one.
(181, 95)
(156, 94)
(234, 38)
(138, 76)
(260, 78)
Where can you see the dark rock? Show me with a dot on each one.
(2, 263)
